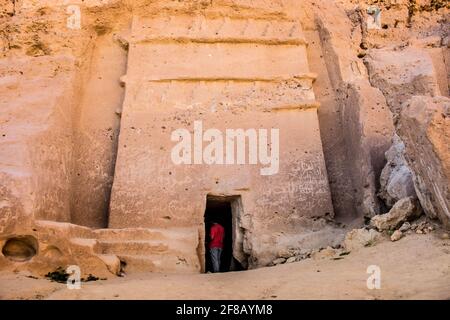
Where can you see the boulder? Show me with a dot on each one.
(405, 227)
(360, 238)
(396, 181)
(397, 235)
(424, 127)
(291, 260)
(278, 261)
(326, 253)
(401, 74)
(286, 253)
(404, 210)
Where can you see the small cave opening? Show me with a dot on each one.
(225, 212)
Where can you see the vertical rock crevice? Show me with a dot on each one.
(331, 126)
(96, 132)
(355, 122)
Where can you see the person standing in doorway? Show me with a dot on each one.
(217, 233)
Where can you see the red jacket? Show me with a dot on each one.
(217, 233)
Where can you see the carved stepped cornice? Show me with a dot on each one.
(201, 29)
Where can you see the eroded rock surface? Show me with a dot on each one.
(72, 99)
(404, 210)
(402, 73)
(425, 130)
(396, 180)
(360, 238)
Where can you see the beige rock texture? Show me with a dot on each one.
(404, 210)
(36, 146)
(361, 238)
(87, 116)
(101, 252)
(367, 128)
(406, 64)
(206, 87)
(356, 123)
(322, 279)
(402, 73)
(425, 129)
(397, 235)
(396, 180)
(51, 245)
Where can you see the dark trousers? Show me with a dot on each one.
(215, 258)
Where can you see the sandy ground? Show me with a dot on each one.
(416, 267)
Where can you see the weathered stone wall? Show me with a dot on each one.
(356, 123)
(96, 130)
(229, 73)
(36, 134)
(425, 129)
(231, 64)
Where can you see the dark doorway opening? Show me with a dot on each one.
(220, 210)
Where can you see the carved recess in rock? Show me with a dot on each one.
(20, 248)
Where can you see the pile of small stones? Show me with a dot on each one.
(291, 256)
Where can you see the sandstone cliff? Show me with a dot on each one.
(75, 131)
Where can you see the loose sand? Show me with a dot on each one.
(416, 267)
